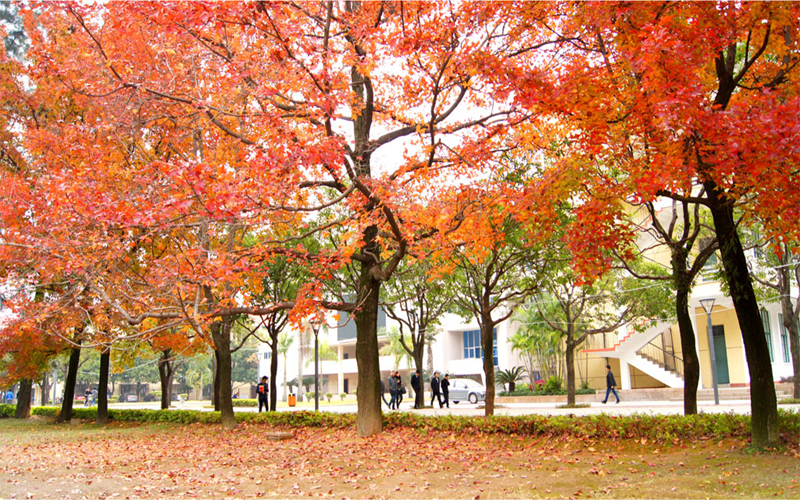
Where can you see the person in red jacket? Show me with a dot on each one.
(263, 394)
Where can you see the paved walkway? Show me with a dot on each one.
(623, 408)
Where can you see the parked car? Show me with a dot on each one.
(131, 398)
(464, 389)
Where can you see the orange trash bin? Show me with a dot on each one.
(292, 400)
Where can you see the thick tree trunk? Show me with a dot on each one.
(285, 385)
(790, 323)
(45, 389)
(273, 374)
(102, 389)
(300, 346)
(166, 374)
(69, 384)
(24, 399)
(220, 332)
(570, 358)
(369, 419)
(419, 396)
(763, 401)
(487, 338)
(691, 363)
(790, 316)
(215, 380)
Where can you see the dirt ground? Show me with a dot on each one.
(44, 460)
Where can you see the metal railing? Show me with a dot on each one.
(665, 358)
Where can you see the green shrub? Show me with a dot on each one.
(7, 410)
(553, 385)
(328, 396)
(656, 428)
(343, 396)
(245, 402)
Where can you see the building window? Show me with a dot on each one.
(472, 345)
(267, 354)
(768, 333)
(346, 356)
(784, 340)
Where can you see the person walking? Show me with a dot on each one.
(262, 389)
(446, 390)
(383, 392)
(87, 397)
(400, 389)
(611, 384)
(435, 394)
(392, 390)
(417, 386)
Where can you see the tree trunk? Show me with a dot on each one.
(166, 374)
(487, 338)
(790, 323)
(273, 374)
(691, 363)
(45, 389)
(220, 332)
(570, 359)
(215, 380)
(763, 401)
(285, 385)
(69, 384)
(369, 419)
(24, 399)
(102, 388)
(300, 339)
(790, 316)
(419, 395)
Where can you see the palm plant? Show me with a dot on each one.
(511, 376)
(540, 346)
(395, 348)
(284, 343)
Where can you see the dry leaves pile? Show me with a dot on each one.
(130, 461)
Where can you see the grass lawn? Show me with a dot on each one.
(131, 460)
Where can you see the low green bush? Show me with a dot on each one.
(543, 391)
(245, 402)
(7, 410)
(656, 428)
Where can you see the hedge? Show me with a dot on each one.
(658, 428)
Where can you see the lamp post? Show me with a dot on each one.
(708, 306)
(316, 323)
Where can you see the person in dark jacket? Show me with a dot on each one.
(262, 390)
(611, 384)
(400, 389)
(446, 390)
(393, 389)
(383, 392)
(417, 386)
(435, 394)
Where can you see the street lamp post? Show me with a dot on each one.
(708, 306)
(316, 323)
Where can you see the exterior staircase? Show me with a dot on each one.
(651, 352)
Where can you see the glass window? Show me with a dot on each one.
(784, 340)
(768, 333)
(472, 345)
